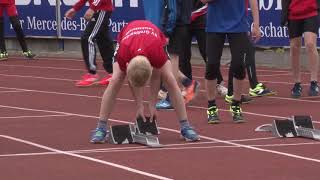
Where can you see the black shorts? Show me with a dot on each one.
(298, 27)
(178, 40)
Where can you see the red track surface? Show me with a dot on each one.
(45, 123)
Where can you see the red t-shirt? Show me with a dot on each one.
(141, 37)
(104, 5)
(302, 9)
(7, 1)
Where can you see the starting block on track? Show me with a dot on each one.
(149, 127)
(121, 134)
(140, 133)
(305, 128)
(283, 128)
(297, 126)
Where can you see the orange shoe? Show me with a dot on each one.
(106, 80)
(191, 91)
(88, 80)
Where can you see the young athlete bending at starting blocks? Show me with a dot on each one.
(141, 56)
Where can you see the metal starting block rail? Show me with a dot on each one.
(141, 133)
(297, 126)
(305, 127)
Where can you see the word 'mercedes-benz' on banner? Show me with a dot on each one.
(38, 18)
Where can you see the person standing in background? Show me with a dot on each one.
(228, 19)
(97, 30)
(302, 18)
(9, 7)
(172, 17)
(257, 89)
(197, 29)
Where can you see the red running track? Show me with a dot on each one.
(45, 123)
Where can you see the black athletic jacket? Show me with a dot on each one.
(177, 10)
(200, 22)
(285, 11)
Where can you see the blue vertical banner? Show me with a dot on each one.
(38, 19)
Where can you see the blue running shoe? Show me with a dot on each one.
(189, 134)
(314, 89)
(296, 90)
(99, 136)
(164, 104)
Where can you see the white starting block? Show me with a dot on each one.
(305, 127)
(129, 134)
(297, 126)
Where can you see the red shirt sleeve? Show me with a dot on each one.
(95, 4)
(123, 56)
(105, 5)
(79, 5)
(7, 2)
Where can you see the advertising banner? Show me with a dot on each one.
(39, 18)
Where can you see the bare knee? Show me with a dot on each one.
(311, 47)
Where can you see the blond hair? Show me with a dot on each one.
(139, 71)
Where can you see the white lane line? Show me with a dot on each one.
(311, 97)
(202, 90)
(73, 80)
(303, 99)
(136, 147)
(177, 131)
(126, 168)
(261, 69)
(196, 107)
(250, 113)
(51, 58)
(193, 66)
(36, 77)
(42, 116)
(279, 73)
(274, 75)
(123, 99)
(11, 91)
(47, 67)
(56, 93)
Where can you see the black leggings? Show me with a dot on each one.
(185, 56)
(251, 70)
(97, 31)
(14, 20)
(238, 43)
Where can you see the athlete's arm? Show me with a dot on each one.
(88, 15)
(255, 33)
(79, 5)
(72, 11)
(137, 93)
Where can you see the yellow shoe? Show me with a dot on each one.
(3, 56)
